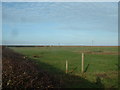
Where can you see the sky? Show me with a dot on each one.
(60, 23)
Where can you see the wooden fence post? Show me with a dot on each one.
(66, 66)
(82, 68)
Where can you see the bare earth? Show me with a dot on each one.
(19, 72)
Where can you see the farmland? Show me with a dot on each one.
(100, 64)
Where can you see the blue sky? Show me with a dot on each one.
(64, 23)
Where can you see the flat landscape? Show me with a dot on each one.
(100, 64)
(60, 45)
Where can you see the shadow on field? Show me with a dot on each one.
(99, 83)
(23, 72)
(70, 80)
(86, 68)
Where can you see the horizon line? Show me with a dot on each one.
(58, 45)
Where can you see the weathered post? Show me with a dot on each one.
(66, 66)
(82, 68)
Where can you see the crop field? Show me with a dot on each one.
(100, 64)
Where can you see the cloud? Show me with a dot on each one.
(62, 12)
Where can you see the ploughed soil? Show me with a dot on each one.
(21, 72)
(99, 52)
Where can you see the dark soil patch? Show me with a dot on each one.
(100, 53)
(35, 56)
(21, 72)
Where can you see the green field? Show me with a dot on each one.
(100, 64)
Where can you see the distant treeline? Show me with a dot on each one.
(22, 46)
(50, 46)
